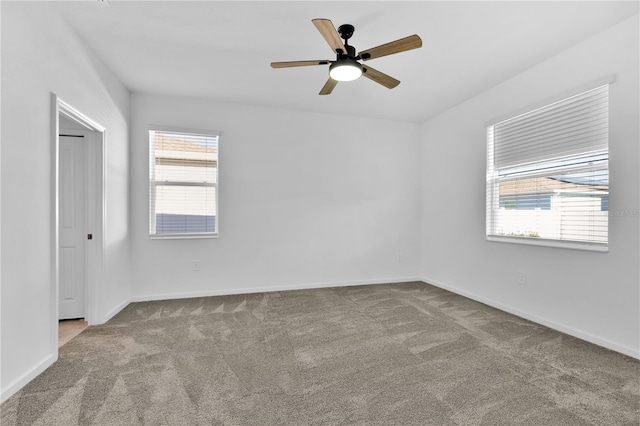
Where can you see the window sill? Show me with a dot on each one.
(181, 236)
(574, 245)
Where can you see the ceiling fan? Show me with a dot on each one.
(347, 67)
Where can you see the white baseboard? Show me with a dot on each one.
(265, 289)
(18, 384)
(117, 309)
(596, 340)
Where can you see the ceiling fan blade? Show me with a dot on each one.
(330, 34)
(402, 45)
(328, 86)
(298, 63)
(379, 77)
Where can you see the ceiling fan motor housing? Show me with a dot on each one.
(350, 53)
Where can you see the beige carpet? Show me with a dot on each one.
(396, 354)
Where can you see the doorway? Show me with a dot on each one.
(79, 200)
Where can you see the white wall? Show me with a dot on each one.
(40, 56)
(594, 296)
(305, 200)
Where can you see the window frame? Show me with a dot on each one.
(154, 184)
(526, 171)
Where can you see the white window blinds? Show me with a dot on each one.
(572, 126)
(548, 173)
(183, 183)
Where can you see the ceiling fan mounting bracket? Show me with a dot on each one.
(346, 31)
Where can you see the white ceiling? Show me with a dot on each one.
(222, 49)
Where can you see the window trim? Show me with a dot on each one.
(586, 246)
(492, 176)
(153, 183)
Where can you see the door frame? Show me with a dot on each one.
(96, 214)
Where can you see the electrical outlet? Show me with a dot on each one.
(522, 278)
(195, 265)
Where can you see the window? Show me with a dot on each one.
(183, 184)
(548, 174)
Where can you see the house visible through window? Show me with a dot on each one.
(548, 174)
(183, 183)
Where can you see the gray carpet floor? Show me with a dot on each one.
(393, 354)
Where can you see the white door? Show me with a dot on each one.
(72, 213)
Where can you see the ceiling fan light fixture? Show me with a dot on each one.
(345, 70)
